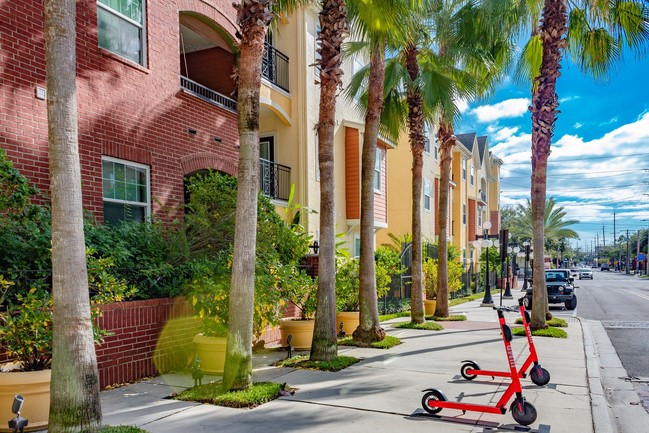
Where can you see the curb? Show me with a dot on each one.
(599, 406)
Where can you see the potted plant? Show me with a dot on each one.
(299, 289)
(429, 267)
(387, 263)
(26, 336)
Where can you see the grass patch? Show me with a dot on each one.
(451, 318)
(547, 332)
(428, 326)
(259, 393)
(464, 299)
(121, 429)
(388, 342)
(555, 322)
(339, 363)
(386, 317)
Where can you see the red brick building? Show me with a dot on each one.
(155, 98)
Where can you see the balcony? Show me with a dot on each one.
(274, 179)
(207, 94)
(274, 67)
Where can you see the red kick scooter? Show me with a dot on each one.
(523, 411)
(539, 375)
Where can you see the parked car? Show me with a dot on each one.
(560, 289)
(585, 273)
(574, 272)
(604, 267)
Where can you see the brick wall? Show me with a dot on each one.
(137, 113)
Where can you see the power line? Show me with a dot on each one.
(581, 173)
(583, 159)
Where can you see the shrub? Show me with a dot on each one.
(455, 271)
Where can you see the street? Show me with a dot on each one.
(621, 303)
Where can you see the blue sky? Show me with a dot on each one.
(599, 163)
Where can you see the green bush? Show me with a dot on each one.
(455, 271)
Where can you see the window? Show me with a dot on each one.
(377, 170)
(357, 65)
(426, 194)
(316, 54)
(427, 139)
(125, 190)
(120, 28)
(480, 216)
(357, 246)
(463, 168)
(471, 174)
(317, 157)
(436, 151)
(463, 214)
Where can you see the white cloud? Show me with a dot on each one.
(462, 105)
(577, 125)
(509, 108)
(569, 98)
(610, 122)
(504, 133)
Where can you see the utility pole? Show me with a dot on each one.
(604, 236)
(627, 251)
(614, 237)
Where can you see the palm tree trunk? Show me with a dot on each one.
(544, 114)
(74, 404)
(446, 139)
(416, 136)
(253, 17)
(333, 29)
(369, 329)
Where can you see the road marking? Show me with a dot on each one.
(639, 295)
(619, 324)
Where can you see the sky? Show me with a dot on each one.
(598, 170)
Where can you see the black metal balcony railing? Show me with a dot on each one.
(207, 94)
(274, 67)
(274, 179)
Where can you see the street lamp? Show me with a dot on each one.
(487, 301)
(528, 248)
(476, 245)
(513, 251)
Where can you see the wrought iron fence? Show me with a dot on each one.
(207, 94)
(274, 67)
(274, 179)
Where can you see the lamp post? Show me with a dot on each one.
(476, 245)
(487, 301)
(528, 248)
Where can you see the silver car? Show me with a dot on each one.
(585, 273)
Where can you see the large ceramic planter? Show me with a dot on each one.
(429, 307)
(301, 330)
(350, 321)
(34, 386)
(211, 350)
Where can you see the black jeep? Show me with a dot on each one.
(560, 288)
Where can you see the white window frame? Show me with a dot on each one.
(464, 213)
(426, 195)
(142, 26)
(471, 174)
(357, 243)
(464, 168)
(436, 151)
(378, 166)
(147, 169)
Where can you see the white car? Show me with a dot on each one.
(574, 273)
(585, 273)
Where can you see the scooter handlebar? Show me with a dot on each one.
(506, 308)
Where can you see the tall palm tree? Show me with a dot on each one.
(555, 226)
(74, 401)
(372, 25)
(333, 30)
(253, 17)
(595, 35)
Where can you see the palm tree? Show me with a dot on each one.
(333, 29)
(254, 17)
(595, 36)
(74, 401)
(373, 25)
(555, 226)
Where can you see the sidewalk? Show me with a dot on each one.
(383, 391)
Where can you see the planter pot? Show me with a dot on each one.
(211, 350)
(34, 386)
(429, 307)
(301, 330)
(350, 321)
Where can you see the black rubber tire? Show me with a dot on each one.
(472, 365)
(433, 395)
(540, 376)
(527, 416)
(572, 303)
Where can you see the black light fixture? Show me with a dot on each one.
(192, 131)
(315, 247)
(217, 139)
(18, 423)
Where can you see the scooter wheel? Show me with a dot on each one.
(431, 397)
(469, 365)
(523, 412)
(540, 376)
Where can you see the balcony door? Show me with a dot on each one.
(267, 176)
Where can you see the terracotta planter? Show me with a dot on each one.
(429, 307)
(211, 350)
(34, 386)
(350, 321)
(301, 330)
